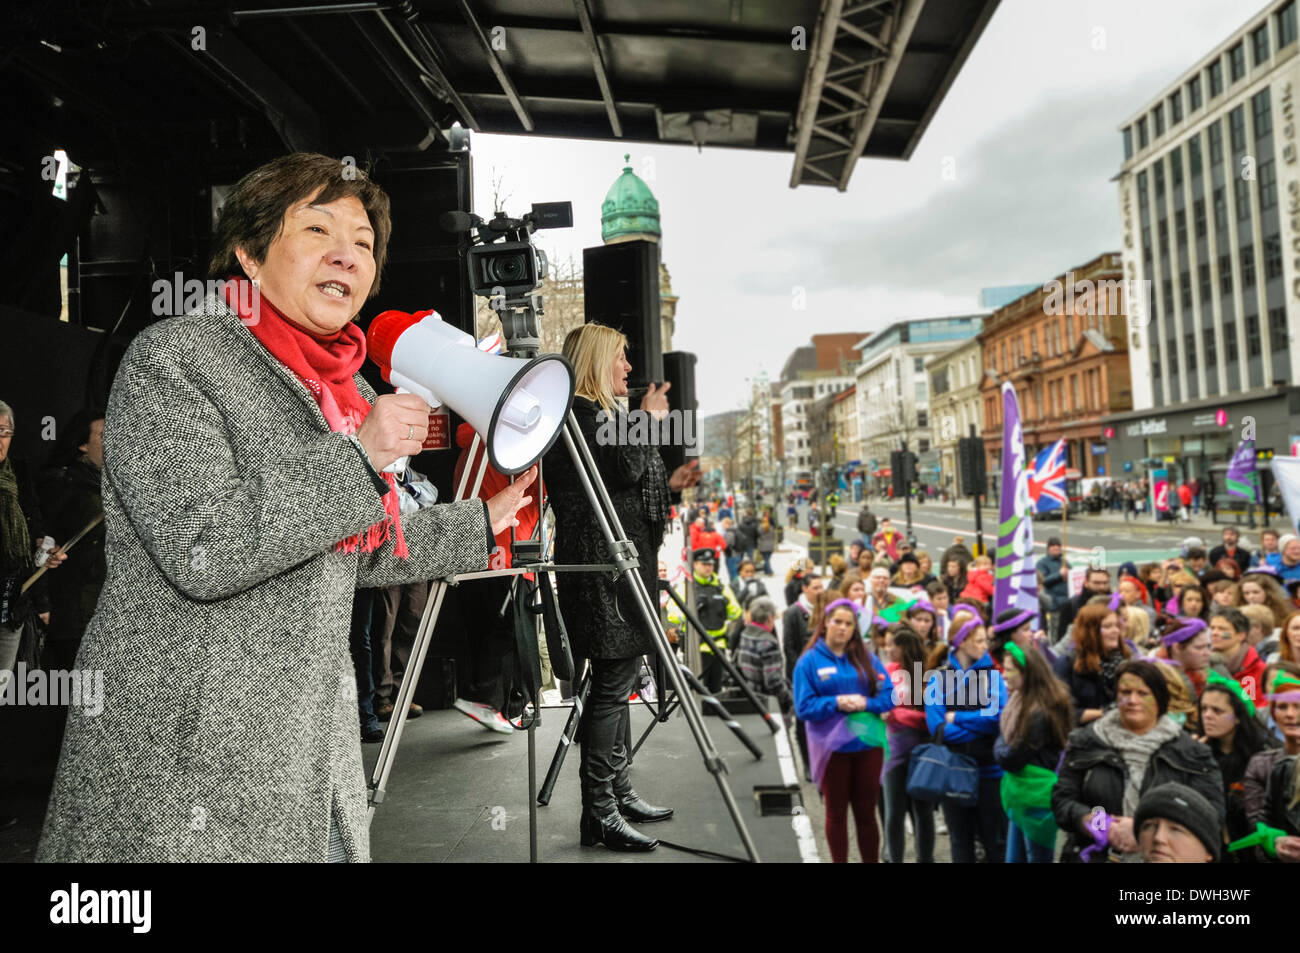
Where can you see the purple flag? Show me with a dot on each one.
(1015, 581)
(1243, 479)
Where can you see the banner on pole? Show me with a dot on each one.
(1015, 584)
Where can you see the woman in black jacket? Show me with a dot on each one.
(604, 621)
(1089, 668)
(1111, 762)
(1234, 735)
(1033, 730)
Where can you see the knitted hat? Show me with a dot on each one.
(1179, 803)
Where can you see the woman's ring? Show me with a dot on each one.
(410, 432)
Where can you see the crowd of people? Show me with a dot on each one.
(1154, 715)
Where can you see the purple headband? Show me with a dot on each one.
(1115, 602)
(922, 605)
(1190, 629)
(965, 630)
(1284, 697)
(848, 603)
(1015, 622)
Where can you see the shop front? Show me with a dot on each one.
(1191, 440)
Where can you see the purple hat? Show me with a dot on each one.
(1187, 629)
(922, 605)
(1015, 622)
(1264, 569)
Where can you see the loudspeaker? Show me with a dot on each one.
(621, 290)
(679, 370)
(517, 406)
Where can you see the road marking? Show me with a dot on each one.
(801, 824)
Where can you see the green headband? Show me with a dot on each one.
(1017, 653)
(1232, 687)
(1285, 679)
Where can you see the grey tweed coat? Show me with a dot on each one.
(229, 730)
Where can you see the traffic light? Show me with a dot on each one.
(896, 472)
(909, 467)
(970, 455)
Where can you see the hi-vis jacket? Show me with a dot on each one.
(715, 606)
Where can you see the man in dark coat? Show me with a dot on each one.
(1096, 583)
(75, 502)
(1230, 550)
(796, 627)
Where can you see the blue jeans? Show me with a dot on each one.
(733, 567)
(1021, 850)
(362, 604)
(767, 563)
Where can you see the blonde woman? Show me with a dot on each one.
(1137, 628)
(604, 622)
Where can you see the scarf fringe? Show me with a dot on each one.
(375, 536)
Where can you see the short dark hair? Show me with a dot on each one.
(1101, 569)
(253, 215)
(1196, 552)
(1234, 617)
(1150, 674)
(809, 577)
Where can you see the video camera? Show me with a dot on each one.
(504, 261)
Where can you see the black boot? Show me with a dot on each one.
(604, 758)
(614, 832)
(630, 804)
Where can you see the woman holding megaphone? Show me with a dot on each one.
(603, 621)
(245, 501)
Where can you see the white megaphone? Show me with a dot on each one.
(518, 406)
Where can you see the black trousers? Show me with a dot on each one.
(607, 733)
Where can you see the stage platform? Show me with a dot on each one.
(459, 793)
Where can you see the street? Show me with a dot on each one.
(1106, 538)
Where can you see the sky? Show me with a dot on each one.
(1010, 184)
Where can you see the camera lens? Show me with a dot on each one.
(507, 268)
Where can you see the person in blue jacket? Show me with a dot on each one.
(965, 697)
(840, 691)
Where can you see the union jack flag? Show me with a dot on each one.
(1047, 479)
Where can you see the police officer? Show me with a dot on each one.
(715, 606)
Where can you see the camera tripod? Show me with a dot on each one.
(625, 563)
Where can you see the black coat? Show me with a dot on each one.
(1094, 775)
(795, 632)
(74, 586)
(1037, 746)
(599, 611)
(1087, 689)
(1240, 556)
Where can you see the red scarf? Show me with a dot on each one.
(325, 365)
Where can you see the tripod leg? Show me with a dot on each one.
(625, 557)
(566, 738)
(727, 664)
(710, 702)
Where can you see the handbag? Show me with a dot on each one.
(935, 772)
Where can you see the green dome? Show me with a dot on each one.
(630, 208)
